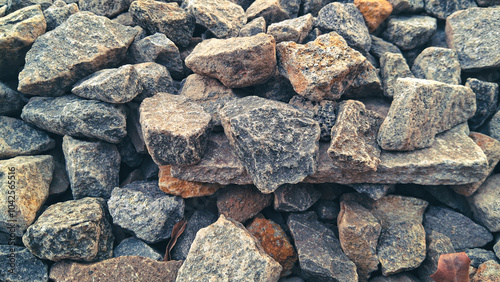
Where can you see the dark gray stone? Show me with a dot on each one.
(242, 202)
(11, 102)
(134, 129)
(75, 229)
(445, 195)
(380, 47)
(254, 27)
(56, 14)
(437, 245)
(436, 63)
(295, 30)
(374, 191)
(290, 149)
(486, 100)
(128, 154)
(409, 32)
(323, 112)
(276, 88)
(20, 265)
(443, 9)
(392, 67)
(406, 6)
(366, 84)
(295, 197)
(327, 209)
(485, 3)
(144, 210)
(479, 256)
(14, 5)
(135, 247)
(107, 8)
(439, 38)
(154, 78)
(493, 126)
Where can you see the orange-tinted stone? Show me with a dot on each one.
(374, 11)
(183, 188)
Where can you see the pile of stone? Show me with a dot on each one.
(299, 139)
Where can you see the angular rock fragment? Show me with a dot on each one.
(322, 69)
(272, 11)
(323, 113)
(484, 203)
(437, 245)
(236, 253)
(445, 195)
(107, 8)
(24, 182)
(166, 18)
(443, 9)
(326, 209)
(75, 229)
(21, 265)
(175, 130)
(488, 271)
(406, 6)
(485, 3)
(354, 145)
(14, 5)
(20, 138)
(493, 126)
(19, 30)
(294, 30)
(276, 88)
(80, 46)
(154, 78)
(295, 197)
(254, 27)
(392, 67)
(474, 38)
(125, 19)
(236, 62)
(135, 247)
(486, 100)
(380, 47)
(276, 142)
(58, 12)
(374, 12)
(420, 110)
(60, 179)
(479, 256)
(183, 188)
(409, 32)
(242, 202)
(11, 102)
(128, 154)
(366, 84)
(374, 191)
(436, 63)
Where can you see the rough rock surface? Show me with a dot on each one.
(83, 44)
(409, 32)
(406, 6)
(437, 245)
(183, 188)
(236, 253)
(443, 9)
(295, 30)
(374, 191)
(392, 67)
(493, 126)
(479, 256)
(254, 27)
(366, 84)
(436, 63)
(75, 229)
(107, 8)
(295, 197)
(135, 247)
(26, 267)
(484, 203)
(276, 142)
(242, 202)
(488, 271)
(272, 11)
(420, 110)
(380, 47)
(154, 79)
(486, 100)
(323, 112)
(11, 102)
(375, 12)
(236, 62)
(144, 210)
(58, 12)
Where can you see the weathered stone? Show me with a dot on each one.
(14, 5)
(125, 19)
(323, 112)
(75, 229)
(20, 138)
(322, 69)
(134, 129)
(437, 245)
(80, 46)
(474, 38)
(221, 17)
(276, 88)
(479, 256)
(175, 130)
(488, 271)
(485, 3)
(272, 11)
(107, 8)
(56, 14)
(158, 48)
(326, 210)
(276, 142)
(484, 203)
(320, 253)
(359, 231)
(154, 78)
(167, 18)
(183, 188)
(445, 195)
(348, 22)
(236, 253)
(294, 30)
(486, 100)
(134, 268)
(462, 231)
(392, 67)
(236, 62)
(380, 106)
(436, 63)
(354, 145)
(135, 247)
(19, 30)
(374, 12)
(242, 202)
(20, 265)
(420, 110)
(11, 102)
(394, 209)
(380, 47)
(374, 191)
(366, 84)
(254, 27)
(406, 6)
(442, 10)
(128, 154)
(409, 32)
(493, 126)
(144, 210)
(295, 197)
(93, 167)
(60, 179)
(24, 184)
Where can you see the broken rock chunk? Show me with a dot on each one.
(410, 32)
(436, 63)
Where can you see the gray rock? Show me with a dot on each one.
(295, 197)
(75, 229)
(19, 30)
(348, 22)
(119, 85)
(436, 63)
(474, 38)
(14, 5)
(242, 202)
(442, 10)
(289, 152)
(323, 112)
(254, 27)
(107, 8)
(479, 256)
(374, 191)
(276, 88)
(452, 199)
(273, 11)
(24, 182)
(175, 130)
(409, 32)
(406, 6)
(400, 277)
(379, 47)
(366, 84)
(392, 67)
(93, 167)
(60, 179)
(420, 110)
(486, 100)
(77, 117)
(20, 138)
(236, 62)
(320, 254)
(354, 145)
(11, 102)
(485, 3)
(56, 14)
(295, 30)
(80, 46)
(493, 126)
(20, 265)
(200, 219)
(159, 49)
(484, 203)
(154, 79)
(125, 19)
(326, 209)
(437, 245)
(462, 231)
(236, 253)
(128, 154)
(135, 247)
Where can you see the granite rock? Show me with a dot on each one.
(135, 247)
(154, 79)
(488, 271)
(380, 47)
(254, 27)
(479, 256)
(323, 112)
(486, 100)
(11, 101)
(183, 188)
(366, 84)
(484, 203)
(394, 209)
(273, 11)
(295, 197)
(493, 126)
(236, 62)
(436, 63)
(276, 88)
(443, 9)
(58, 12)
(125, 19)
(374, 191)
(128, 154)
(406, 6)
(242, 202)
(14, 5)
(20, 265)
(80, 46)
(437, 245)
(294, 30)
(409, 32)
(375, 12)
(75, 229)
(107, 8)
(144, 210)
(392, 67)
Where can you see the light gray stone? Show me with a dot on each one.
(406, 6)
(135, 247)
(107, 8)
(154, 79)
(443, 9)
(392, 67)
(273, 11)
(409, 32)
(254, 27)
(295, 30)
(436, 63)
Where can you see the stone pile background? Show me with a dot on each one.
(290, 140)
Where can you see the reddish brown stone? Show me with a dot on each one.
(242, 202)
(183, 188)
(374, 11)
(487, 272)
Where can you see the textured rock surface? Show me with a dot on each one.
(58, 12)
(75, 229)
(443, 9)
(144, 210)
(135, 247)
(420, 110)
(436, 63)
(24, 184)
(380, 47)
(322, 69)
(323, 112)
(175, 130)
(271, 10)
(107, 8)
(183, 188)
(493, 126)
(374, 191)
(276, 142)
(366, 84)
(479, 256)
(26, 267)
(488, 271)
(236, 253)
(73, 53)
(409, 32)
(484, 203)
(295, 197)
(374, 12)
(154, 79)
(295, 30)
(242, 202)
(93, 167)
(236, 62)
(11, 102)
(254, 27)
(486, 100)
(437, 245)
(133, 267)
(407, 6)
(392, 67)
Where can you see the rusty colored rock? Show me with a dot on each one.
(242, 202)
(374, 11)
(183, 188)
